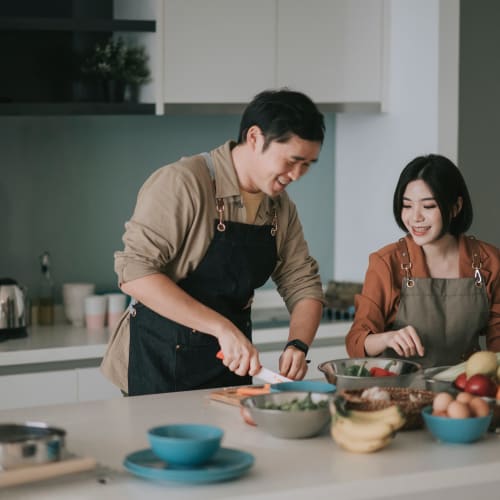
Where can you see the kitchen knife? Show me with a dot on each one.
(264, 374)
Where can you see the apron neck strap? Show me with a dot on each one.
(476, 260)
(405, 261)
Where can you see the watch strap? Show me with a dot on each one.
(298, 344)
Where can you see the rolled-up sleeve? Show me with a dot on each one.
(153, 236)
(493, 328)
(374, 306)
(297, 273)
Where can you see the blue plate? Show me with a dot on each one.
(226, 464)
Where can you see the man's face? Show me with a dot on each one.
(280, 164)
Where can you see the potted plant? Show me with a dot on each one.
(116, 66)
(136, 71)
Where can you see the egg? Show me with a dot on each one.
(479, 407)
(464, 397)
(441, 402)
(458, 410)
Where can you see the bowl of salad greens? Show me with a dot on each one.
(358, 373)
(289, 414)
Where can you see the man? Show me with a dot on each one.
(207, 231)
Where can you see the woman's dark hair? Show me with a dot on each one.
(280, 114)
(446, 183)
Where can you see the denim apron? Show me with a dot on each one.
(166, 356)
(448, 314)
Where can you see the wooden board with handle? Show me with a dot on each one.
(233, 395)
(32, 473)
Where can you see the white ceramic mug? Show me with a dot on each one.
(95, 311)
(117, 303)
(74, 301)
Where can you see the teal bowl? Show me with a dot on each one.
(185, 444)
(456, 430)
(304, 386)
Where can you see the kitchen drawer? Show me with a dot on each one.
(36, 389)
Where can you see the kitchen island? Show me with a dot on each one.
(413, 466)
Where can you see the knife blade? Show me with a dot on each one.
(264, 373)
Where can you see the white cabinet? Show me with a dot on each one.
(220, 51)
(225, 51)
(94, 386)
(37, 389)
(332, 49)
(54, 387)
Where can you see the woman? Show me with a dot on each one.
(430, 295)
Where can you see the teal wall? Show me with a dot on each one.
(69, 183)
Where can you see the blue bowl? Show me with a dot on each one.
(304, 386)
(456, 430)
(185, 444)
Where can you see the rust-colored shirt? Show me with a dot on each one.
(377, 305)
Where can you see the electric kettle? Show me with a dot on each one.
(12, 309)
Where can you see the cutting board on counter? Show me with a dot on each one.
(233, 395)
(30, 474)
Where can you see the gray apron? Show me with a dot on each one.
(448, 314)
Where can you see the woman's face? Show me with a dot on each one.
(421, 214)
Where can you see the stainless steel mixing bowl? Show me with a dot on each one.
(30, 443)
(432, 384)
(335, 372)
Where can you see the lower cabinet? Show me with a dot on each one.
(93, 385)
(38, 389)
(54, 387)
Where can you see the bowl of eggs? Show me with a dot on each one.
(461, 419)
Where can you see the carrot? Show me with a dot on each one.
(253, 390)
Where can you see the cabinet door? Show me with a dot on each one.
(218, 51)
(331, 49)
(35, 389)
(94, 386)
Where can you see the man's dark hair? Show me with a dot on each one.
(280, 114)
(446, 183)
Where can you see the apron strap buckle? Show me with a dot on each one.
(221, 227)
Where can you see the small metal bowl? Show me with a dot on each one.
(30, 443)
(335, 372)
(432, 384)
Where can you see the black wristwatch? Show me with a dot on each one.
(301, 346)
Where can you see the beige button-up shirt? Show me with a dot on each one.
(173, 226)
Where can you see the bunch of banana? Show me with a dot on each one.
(363, 431)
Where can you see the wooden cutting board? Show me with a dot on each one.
(233, 395)
(41, 472)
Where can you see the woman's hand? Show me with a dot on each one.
(405, 342)
(293, 363)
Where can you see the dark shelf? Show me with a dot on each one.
(74, 24)
(76, 108)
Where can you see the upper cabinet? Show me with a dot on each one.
(42, 48)
(218, 51)
(334, 50)
(225, 51)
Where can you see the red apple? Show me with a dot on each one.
(460, 381)
(481, 385)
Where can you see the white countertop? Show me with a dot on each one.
(46, 344)
(412, 466)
